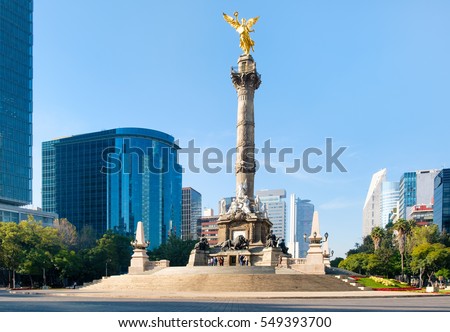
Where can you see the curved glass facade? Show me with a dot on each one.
(16, 40)
(389, 199)
(442, 200)
(113, 179)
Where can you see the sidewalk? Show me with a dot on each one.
(220, 295)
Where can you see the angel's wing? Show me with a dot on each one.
(252, 21)
(231, 21)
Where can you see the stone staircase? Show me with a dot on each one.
(352, 282)
(221, 279)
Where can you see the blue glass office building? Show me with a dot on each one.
(305, 212)
(441, 208)
(16, 40)
(112, 179)
(407, 193)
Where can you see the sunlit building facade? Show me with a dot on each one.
(301, 216)
(441, 209)
(276, 209)
(190, 214)
(114, 178)
(16, 74)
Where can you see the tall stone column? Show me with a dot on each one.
(246, 80)
(246, 216)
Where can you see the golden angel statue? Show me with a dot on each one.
(244, 29)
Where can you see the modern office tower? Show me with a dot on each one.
(209, 228)
(416, 188)
(372, 205)
(114, 178)
(276, 208)
(16, 73)
(441, 209)
(301, 216)
(16, 107)
(422, 214)
(389, 200)
(191, 213)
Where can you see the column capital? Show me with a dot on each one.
(246, 80)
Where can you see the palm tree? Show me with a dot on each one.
(376, 235)
(402, 228)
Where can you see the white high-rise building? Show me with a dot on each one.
(416, 188)
(372, 205)
(389, 200)
(276, 208)
(300, 222)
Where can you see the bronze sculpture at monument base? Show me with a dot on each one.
(253, 256)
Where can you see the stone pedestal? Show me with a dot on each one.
(198, 258)
(139, 262)
(253, 227)
(271, 256)
(314, 259)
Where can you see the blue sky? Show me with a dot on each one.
(373, 76)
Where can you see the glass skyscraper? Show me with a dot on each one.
(389, 199)
(441, 208)
(191, 213)
(301, 216)
(112, 179)
(407, 197)
(16, 73)
(415, 188)
(276, 209)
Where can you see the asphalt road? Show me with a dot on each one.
(42, 303)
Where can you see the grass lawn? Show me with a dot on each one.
(367, 282)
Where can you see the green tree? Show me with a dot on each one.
(175, 250)
(402, 228)
(389, 260)
(69, 265)
(421, 235)
(335, 262)
(67, 232)
(111, 255)
(12, 253)
(365, 247)
(40, 244)
(429, 258)
(86, 238)
(356, 263)
(377, 235)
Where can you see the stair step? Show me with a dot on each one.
(223, 282)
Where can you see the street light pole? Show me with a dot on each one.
(108, 260)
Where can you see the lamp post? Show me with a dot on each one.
(108, 260)
(305, 237)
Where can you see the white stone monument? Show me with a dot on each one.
(314, 258)
(139, 260)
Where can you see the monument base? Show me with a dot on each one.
(252, 226)
(139, 262)
(254, 256)
(314, 263)
(198, 258)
